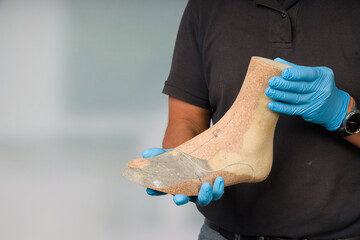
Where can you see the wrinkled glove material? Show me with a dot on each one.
(309, 92)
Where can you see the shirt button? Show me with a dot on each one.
(284, 15)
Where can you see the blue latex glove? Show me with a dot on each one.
(309, 92)
(206, 193)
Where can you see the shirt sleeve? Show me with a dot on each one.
(186, 79)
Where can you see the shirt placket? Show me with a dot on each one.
(280, 27)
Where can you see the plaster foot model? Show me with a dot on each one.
(239, 147)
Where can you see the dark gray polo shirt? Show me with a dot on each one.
(313, 189)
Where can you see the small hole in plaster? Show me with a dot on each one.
(217, 133)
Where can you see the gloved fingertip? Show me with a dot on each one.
(151, 152)
(221, 185)
(181, 199)
(153, 192)
(220, 179)
(271, 81)
(217, 183)
(272, 106)
(149, 191)
(146, 153)
(287, 74)
(206, 187)
(205, 194)
(274, 81)
(269, 92)
(279, 59)
(218, 189)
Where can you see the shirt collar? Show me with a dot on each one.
(274, 4)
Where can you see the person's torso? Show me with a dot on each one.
(314, 187)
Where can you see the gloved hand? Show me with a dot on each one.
(309, 92)
(206, 193)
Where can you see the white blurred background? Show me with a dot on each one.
(80, 96)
